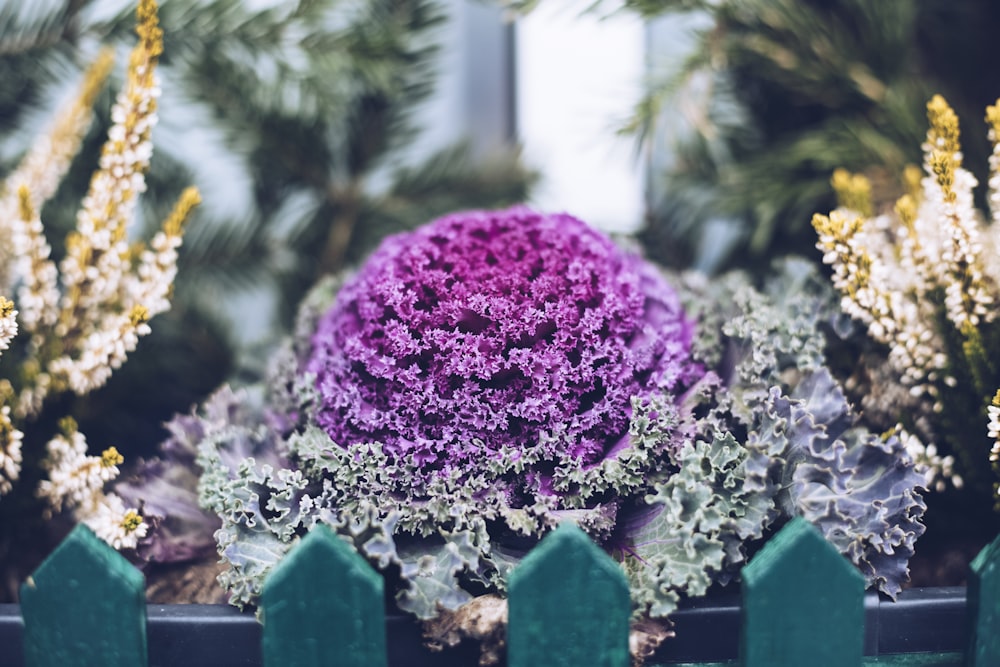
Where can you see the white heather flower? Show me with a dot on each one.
(952, 221)
(74, 478)
(992, 234)
(8, 322)
(45, 164)
(30, 400)
(874, 290)
(887, 267)
(952, 212)
(927, 275)
(97, 259)
(103, 351)
(111, 521)
(76, 482)
(993, 427)
(10, 451)
(38, 294)
(82, 324)
(150, 284)
(994, 182)
(936, 469)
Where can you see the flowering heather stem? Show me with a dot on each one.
(149, 285)
(925, 280)
(100, 239)
(38, 294)
(42, 169)
(87, 314)
(10, 451)
(95, 307)
(8, 322)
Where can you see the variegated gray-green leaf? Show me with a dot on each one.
(432, 570)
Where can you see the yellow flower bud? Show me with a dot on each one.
(131, 521)
(111, 457)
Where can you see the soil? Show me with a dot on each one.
(189, 583)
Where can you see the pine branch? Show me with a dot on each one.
(26, 27)
(788, 90)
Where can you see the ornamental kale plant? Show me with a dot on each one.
(492, 374)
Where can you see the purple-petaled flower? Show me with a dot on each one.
(483, 331)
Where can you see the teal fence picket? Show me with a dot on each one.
(568, 605)
(803, 603)
(85, 605)
(983, 605)
(323, 605)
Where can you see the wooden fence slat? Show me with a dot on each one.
(568, 605)
(323, 605)
(803, 603)
(84, 605)
(983, 607)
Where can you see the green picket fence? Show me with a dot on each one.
(803, 604)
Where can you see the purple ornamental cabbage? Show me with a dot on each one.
(519, 370)
(483, 331)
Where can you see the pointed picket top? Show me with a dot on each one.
(568, 605)
(323, 605)
(84, 605)
(803, 603)
(983, 605)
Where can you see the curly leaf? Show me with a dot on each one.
(694, 526)
(860, 490)
(432, 572)
(251, 551)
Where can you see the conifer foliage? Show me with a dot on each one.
(776, 94)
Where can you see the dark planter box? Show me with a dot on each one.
(923, 620)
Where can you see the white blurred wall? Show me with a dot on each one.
(473, 99)
(578, 77)
(560, 81)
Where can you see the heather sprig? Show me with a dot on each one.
(924, 280)
(77, 321)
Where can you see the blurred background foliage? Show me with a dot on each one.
(293, 118)
(773, 95)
